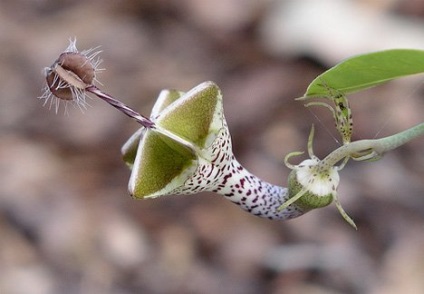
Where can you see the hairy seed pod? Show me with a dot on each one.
(71, 72)
(78, 64)
(70, 75)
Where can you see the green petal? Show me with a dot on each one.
(165, 98)
(129, 149)
(160, 166)
(164, 157)
(196, 116)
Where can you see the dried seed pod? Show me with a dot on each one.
(69, 76)
(78, 64)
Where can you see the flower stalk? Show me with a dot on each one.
(144, 121)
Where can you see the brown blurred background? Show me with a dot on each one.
(67, 224)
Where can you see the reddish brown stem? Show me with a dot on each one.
(144, 121)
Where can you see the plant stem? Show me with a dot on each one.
(144, 121)
(372, 149)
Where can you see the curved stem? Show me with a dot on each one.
(372, 149)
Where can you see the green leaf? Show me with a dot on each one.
(365, 71)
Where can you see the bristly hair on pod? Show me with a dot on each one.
(69, 76)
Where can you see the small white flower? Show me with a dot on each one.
(318, 182)
(313, 183)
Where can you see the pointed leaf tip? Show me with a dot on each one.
(366, 71)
